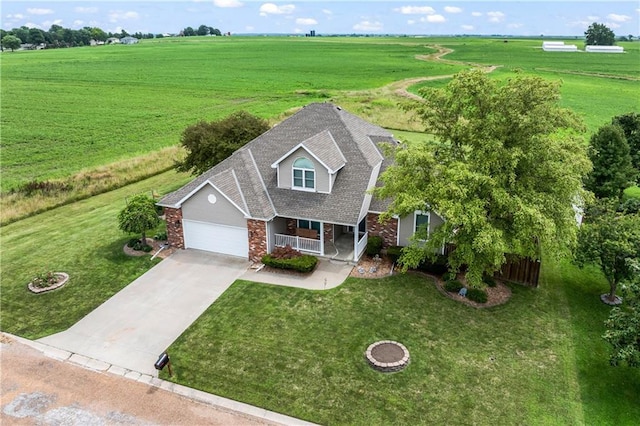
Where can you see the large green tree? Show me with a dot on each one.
(504, 171)
(610, 239)
(623, 326)
(11, 42)
(630, 124)
(599, 35)
(208, 143)
(139, 216)
(612, 171)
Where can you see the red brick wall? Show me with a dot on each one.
(175, 234)
(257, 239)
(292, 224)
(328, 232)
(387, 230)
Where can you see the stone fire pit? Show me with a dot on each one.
(387, 356)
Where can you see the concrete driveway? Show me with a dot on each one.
(137, 324)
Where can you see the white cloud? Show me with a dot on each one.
(514, 26)
(435, 19)
(39, 11)
(16, 16)
(411, 21)
(415, 10)
(78, 23)
(327, 12)
(613, 25)
(32, 25)
(496, 16)
(368, 26)
(593, 18)
(467, 27)
(306, 21)
(452, 9)
(118, 15)
(618, 18)
(272, 9)
(476, 13)
(48, 24)
(227, 3)
(86, 9)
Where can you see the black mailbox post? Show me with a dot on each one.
(163, 360)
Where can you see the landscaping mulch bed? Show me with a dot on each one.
(498, 295)
(368, 267)
(156, 246)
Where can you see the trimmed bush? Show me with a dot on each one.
(160, 236)
(302, 263)
(449, 276)
(394, 253)
(374, 245)
(477, 295)
(489, 281)
(453, 286)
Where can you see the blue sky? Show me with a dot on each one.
(569, 18)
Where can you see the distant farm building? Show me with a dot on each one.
(605, 49)
(113, 40)
(558, 46)
(128, 40)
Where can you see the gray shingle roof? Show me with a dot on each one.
(330, 133)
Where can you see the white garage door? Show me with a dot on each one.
(216, 238)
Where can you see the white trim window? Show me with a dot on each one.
(304, 175)
(421, 222)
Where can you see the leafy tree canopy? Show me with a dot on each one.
(11, 42)
(623, 326)
(139, 216)
(630, 124)
(599, 35)
(609, 239)
(505, 169)
(612, 171)
(208, 143)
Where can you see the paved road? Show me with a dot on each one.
(35, 389)
(137, 324)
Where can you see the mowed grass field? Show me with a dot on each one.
(67, 110)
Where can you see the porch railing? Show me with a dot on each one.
(362, 244)
(298, 243)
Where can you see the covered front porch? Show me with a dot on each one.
(331, 240)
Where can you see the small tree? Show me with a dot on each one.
(11, 42)
(139, 216)
(207, 144)
(599, 35)
(612, 171)
(623, 326)
(609, 240)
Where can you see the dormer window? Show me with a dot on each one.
(304, 175)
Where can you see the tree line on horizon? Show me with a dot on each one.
(59, 37)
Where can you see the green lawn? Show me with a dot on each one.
(81, 239)
(537, 360)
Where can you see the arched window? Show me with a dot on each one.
(304, 176)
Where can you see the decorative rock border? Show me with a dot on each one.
(398, 361)
(64, 277)
(605, 299)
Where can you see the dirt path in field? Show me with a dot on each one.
(591, 74)
(399, 88)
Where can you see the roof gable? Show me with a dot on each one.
(323, 148)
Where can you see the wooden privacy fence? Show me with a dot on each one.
(520, 270)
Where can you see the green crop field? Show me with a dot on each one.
(68, 110)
